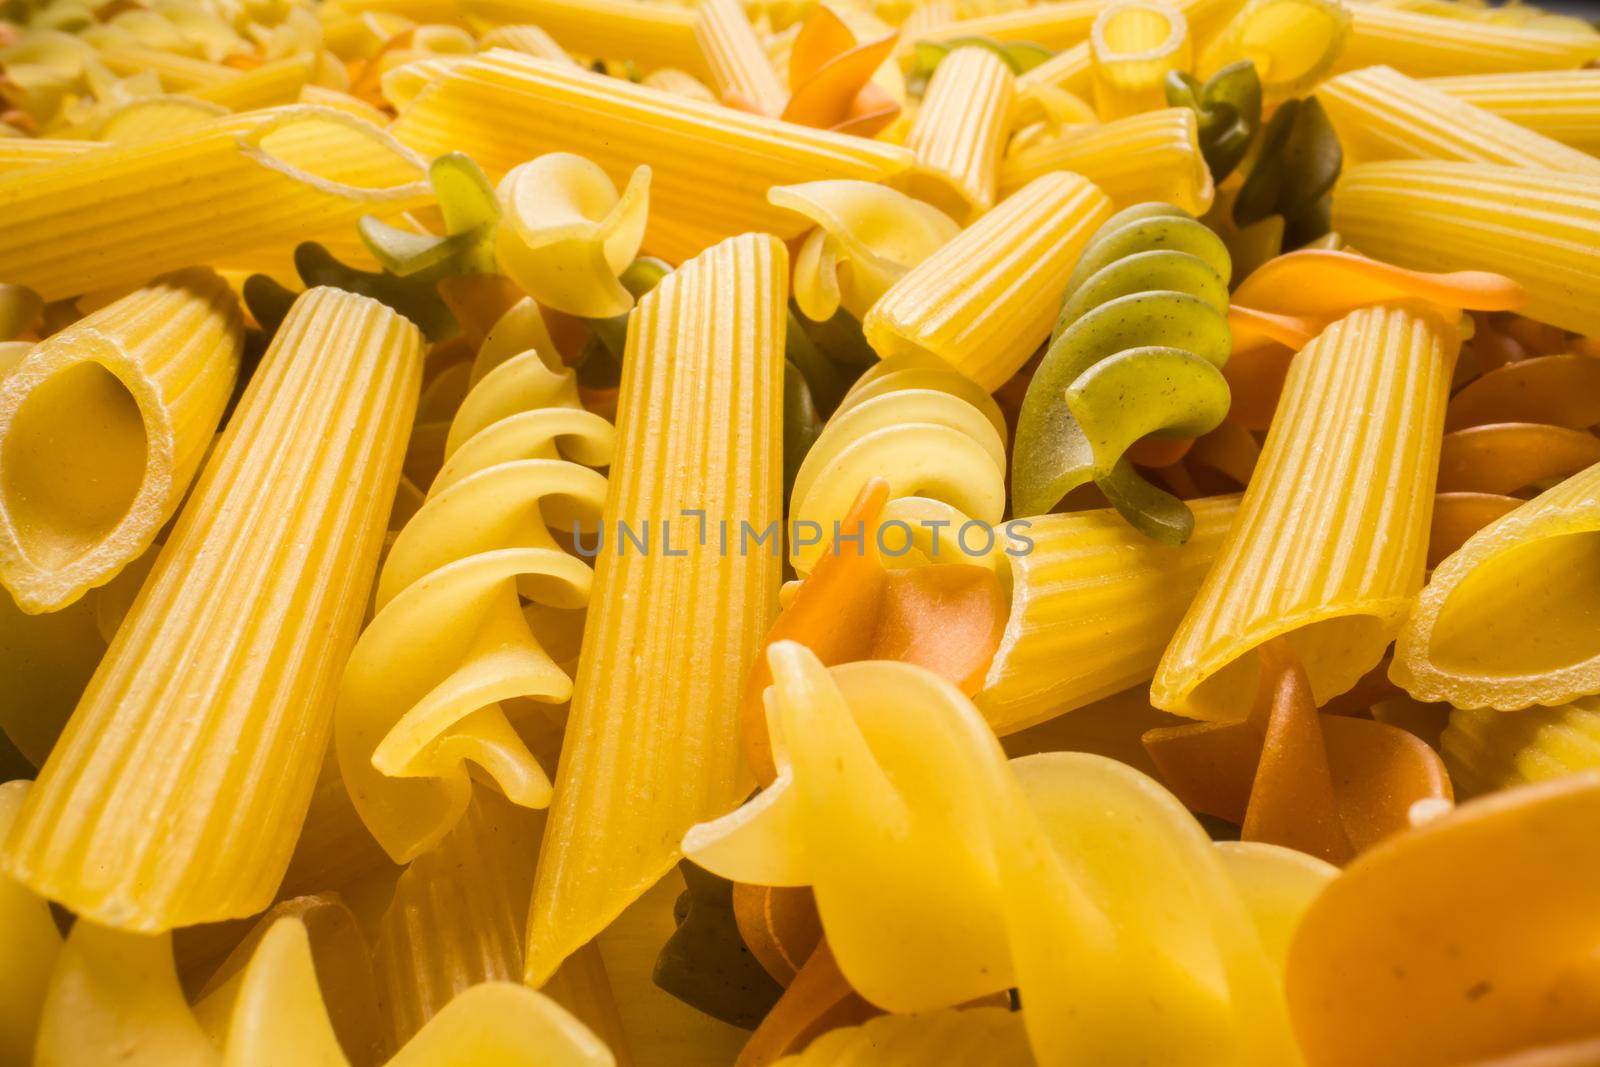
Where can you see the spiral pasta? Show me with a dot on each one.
(938, 438)
(1071, 877)
(422, 693)
(1145, 318)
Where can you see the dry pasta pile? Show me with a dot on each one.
(728, 533)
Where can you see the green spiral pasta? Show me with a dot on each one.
(1136, 351)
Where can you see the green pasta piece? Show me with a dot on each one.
(471, 210)
(1137, 350)
(801, 424)
(1292, 170)
(705, 963)
(1020, 56)
(1227, 111)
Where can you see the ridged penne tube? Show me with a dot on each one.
(670, 638)
(401, 85)
(30, 941)
(937, 438)
(1328, 547)
(1292, 43)
(251, 183)
(1564, 105)
(1093, 604)
(1056, 24)
(1538, 227)
(1153, 156)
(867, 237)
(740, 68)
(1070, 877)
(1134, 43)
(1487, 750)
(273, 84)
(103, 426)
(566, 234)
(1503, 622)
(985, 300)
(710, 166)
(529, 40)
(424, 691)
(1380, 114)
(960, 131)
(156, 116)
(1424, 45)
(654, 34)
(177, 790)
(19, 153)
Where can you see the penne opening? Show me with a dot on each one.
(74, 458)
(1335, 652)
(1138, 33)
(1290, 39)
(1526, 611)
(338, 153)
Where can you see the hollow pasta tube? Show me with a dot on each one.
(1425, 45)
(1152, 156)
(1564, 105)
(1292, 43)
(960, 131)
(740, 69)
(655, 34)
(1134, 44)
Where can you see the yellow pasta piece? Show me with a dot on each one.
(17, 153)
(1487, 750)
(740, 69)
(451, 641)
(652, 739)
(1134, 44)
(529, 40)
(1540, 228)
(1093, 604)
(156, 116)
(245, 184)
(867, 237)
(650, 33)
(671, 80)
(1503, 622)
(49, 659)
(1153, 156)
(103, 426)
(938, 439)
(1422, 44)
(175, 794)
(1564, 105)
(274, 83)
(985, 300)
(317, 96)
(1380, 114)
(1292, 43)
(178, 73)
(29, 942)
(960, 131)
(977, 1037)
(565, 234)
(1055, 25)
(403, 84)
(1328, 546)
(1070, 877)
(711, 166)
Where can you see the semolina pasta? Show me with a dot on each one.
(1055, 24)
(1487, 750)
(530, 40)
(740, 69)
(1425, 45)
(960, 131)
(1132, 45)
(1563, 105)
(1291, 43)
(659, 34)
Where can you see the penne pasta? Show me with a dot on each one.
(17, 153)
(670, 638)
(1380, 114)
(1425, 45)
(156, 116)
(256, 183)
(1503, 622)
(1093, 604)
(1151, 156)
(710, 166)
(272, 84)
(960, 131)
(1327, 550)
(1563, 105)
(653, 33)
(103, 426)
(1055, 24)
(1291, 43)
(1538, 227)
(1133, 45)
(741, 73)
(682, 83)
(985, 300)
(1073, 68)
(176, 793)
(529, 40)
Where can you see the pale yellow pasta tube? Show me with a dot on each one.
(1153, 156)
(1328, 546)
(1564, 105)
(672, 80)
(1134, 43)
(1487, 750)
(711, 166)
(740, 69)
(177, 790)
(960, 131)
(984, 301)
(246, 184)
(103, 426)
(1291, 42)
(565, 234)
(1055, 25)
(1380, 114)
(1505, 620)
(272, 84)
(652, 739)
(18, 153)
(156, 116)
(529, 40)
(1540, 228)
(652, 34)
(29, 943)
(1424, 45)
(401, 85)
(1093, 604)
(867, 237)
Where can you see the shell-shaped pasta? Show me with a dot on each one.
(102, 428)
(939, 441)
(1134, 44)
(1136, 351)
(566, 235)
(1151, 156)
(867, 236)
(1071, 877)
(976, 1037)
(451, 639)
(1291, 42)
(1487, 750)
